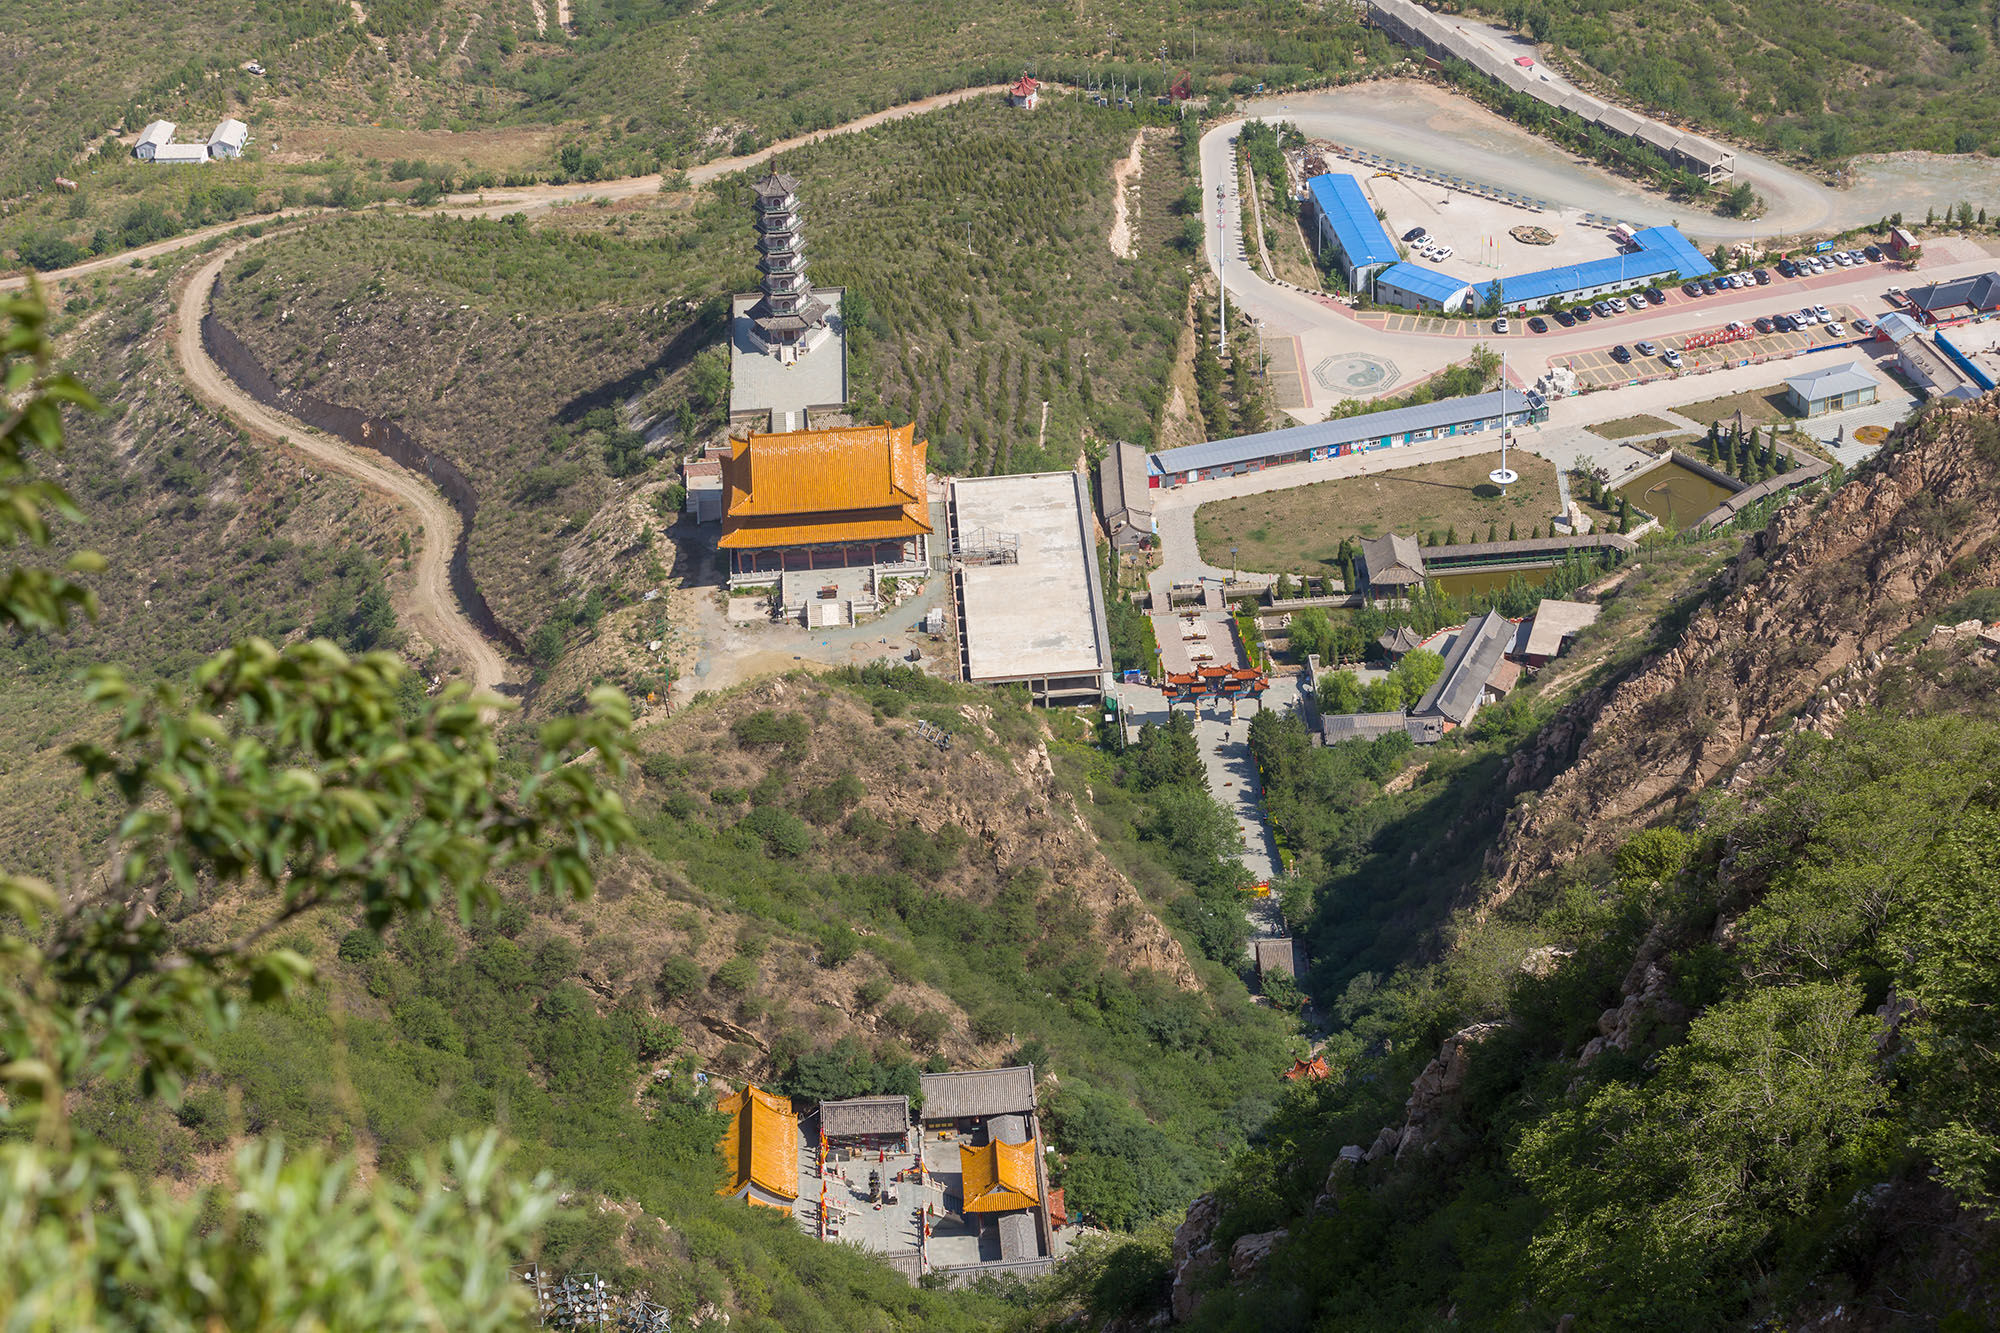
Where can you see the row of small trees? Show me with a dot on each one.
(1752, 456)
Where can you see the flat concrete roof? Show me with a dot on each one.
(759, 381)
(1044, 614)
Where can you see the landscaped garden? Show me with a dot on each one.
(1302, 529)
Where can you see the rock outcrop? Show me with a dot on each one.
(1829, 584)
(1248, 1254)
(1194, 1254)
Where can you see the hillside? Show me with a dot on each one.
(821, 900)
(1708, 1044)
(209, 539)
(403, 97)
(1882, 76)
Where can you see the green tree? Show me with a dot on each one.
(1653, 1192)
(1311, 632)
(1415, 674)
(1167, 755)
(295, 780)
(1383, 696)
(1339, 692)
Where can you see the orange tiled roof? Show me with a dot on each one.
(798, 488)
(999, 1177)
(815, 471)
(762, 1145)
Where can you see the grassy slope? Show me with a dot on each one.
(208, 540)
(642, 83)
(1886, 75)
(535, 1020)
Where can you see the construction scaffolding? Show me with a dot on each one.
(584, 1300)
(983, 546)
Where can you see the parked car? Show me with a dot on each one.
(1672, 357)
(1637, 300)
(1873, 254)
(1806, 316)
(1764, 324)
(1708, 287)
(1618, 305)
(1691, 289)
(1785, 323)
(1538, 325)
(1863, 324)
(1582, 313)
(1843, 260)
(1763, 277)
(1444, 251)
(1835, 330)
(1603, 309)
(1564, 318)
(1656, 296)
(1416, 236)
(1788, 268)
(1621, 354)
(1645, 349)
(1500, 324)
(1821, 313)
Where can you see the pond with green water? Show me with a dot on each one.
(1676, 495)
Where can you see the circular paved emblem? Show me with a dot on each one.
(1355, 372)
(1871, 434)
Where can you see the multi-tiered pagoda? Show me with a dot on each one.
(789, 318)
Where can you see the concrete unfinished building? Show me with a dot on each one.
(1025, 582)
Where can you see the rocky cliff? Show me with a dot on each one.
(1828, 585)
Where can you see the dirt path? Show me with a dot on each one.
(1123, 176)
(435, 610)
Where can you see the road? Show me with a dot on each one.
(433, 607)
(1329, 331)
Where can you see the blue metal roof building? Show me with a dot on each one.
(1661, 253)
(1349, 435)
(1415, 287)
(1347, 222)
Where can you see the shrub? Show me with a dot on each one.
(359, 945)
(872, 992)
(826, 804)
(837, 943)
(680, 977)
(769, 728)
(783, 833)
(735, 976)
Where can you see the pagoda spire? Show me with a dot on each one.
(789, 311)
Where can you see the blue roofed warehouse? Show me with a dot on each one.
(1414, 287)
(1656, 254)
(1346, 224)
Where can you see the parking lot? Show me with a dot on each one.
(1478, 230)
(1596, 368)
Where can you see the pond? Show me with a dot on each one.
(1676, 495)
(1477, 582)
